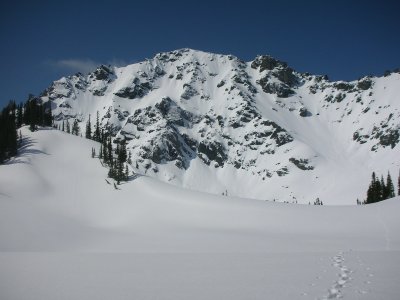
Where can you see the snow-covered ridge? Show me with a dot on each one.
(257, 129)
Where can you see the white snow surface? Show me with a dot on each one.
(67, 234)
(340, 136)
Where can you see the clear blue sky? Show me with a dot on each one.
(40, 41)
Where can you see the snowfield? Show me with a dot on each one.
(65, 233)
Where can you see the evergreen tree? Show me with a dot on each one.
(102, 135)
(19, 116)
(96, 134)
(63, 126)
(398, 185)
(383, 190)
(129, 161)
(35, 113)
(104, 147)
(378, 190)
(120, 175)
(109, 151)
(40, 116)
(93, 152)
(371, 194)
(389, 187)
(68, 128)
(32, 126)
(126, 172)
(111, 172)
(75, 127)
(318, 202)
(8, 132)
(88, 133)
(47, 114)
(122, 155)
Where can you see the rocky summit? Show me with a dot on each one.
(257, 129)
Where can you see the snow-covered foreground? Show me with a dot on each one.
(67, 234)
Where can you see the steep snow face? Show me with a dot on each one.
(257, 129)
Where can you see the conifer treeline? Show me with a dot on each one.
(12, 117)
(34, 113)
(116, 159)
(8, 132)
(380, 190)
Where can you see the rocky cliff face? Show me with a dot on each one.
(257, 129)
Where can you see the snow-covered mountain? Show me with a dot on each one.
(256, 129)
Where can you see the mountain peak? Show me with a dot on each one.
(246, 126)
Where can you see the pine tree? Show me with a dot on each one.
(120, 171)
(68, 128)
(40, 116)
(63, 126)
(129, 161)
(93, 153)
(96, 134)
(376, 188)
(19, 115)
(117, 151)
(318, 202)
(32, 126)
(126, 172)
(101, 152)
(47, 114)
(75, 127)
(398, 185)
(122, 156)
(102, 135)
(109, 151)
(88, 133)
(8, 132)
(104, 148)
(389, 187)
(111, 172)
(371, 193)
(383, 191)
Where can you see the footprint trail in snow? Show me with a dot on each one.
(335, 291)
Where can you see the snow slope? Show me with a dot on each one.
(67, 234)
(215, 123)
